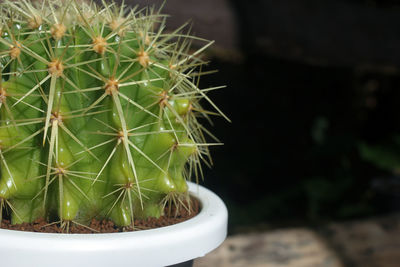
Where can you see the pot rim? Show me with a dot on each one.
(154, 247)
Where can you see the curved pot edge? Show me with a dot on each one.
(156, 247)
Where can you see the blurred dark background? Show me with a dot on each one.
(313, 92)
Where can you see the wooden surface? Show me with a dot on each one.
(367, 243)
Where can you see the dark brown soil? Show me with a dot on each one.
(105, 226)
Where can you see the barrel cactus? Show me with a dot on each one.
(99, 112)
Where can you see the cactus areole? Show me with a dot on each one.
(99, 110)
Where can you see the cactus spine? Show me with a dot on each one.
(99, 112)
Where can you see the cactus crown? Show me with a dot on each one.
(99, 112)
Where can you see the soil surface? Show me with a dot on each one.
(105, 226)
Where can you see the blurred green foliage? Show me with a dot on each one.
(385, 155)
(306, 141)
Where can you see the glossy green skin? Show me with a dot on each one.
(26, 182)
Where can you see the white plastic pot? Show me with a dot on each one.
(156, 247)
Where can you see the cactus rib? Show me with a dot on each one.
(99, 112)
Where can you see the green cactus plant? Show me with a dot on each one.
(99, 112)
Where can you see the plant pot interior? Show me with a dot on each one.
(172, 215)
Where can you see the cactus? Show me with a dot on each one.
(99, 112)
